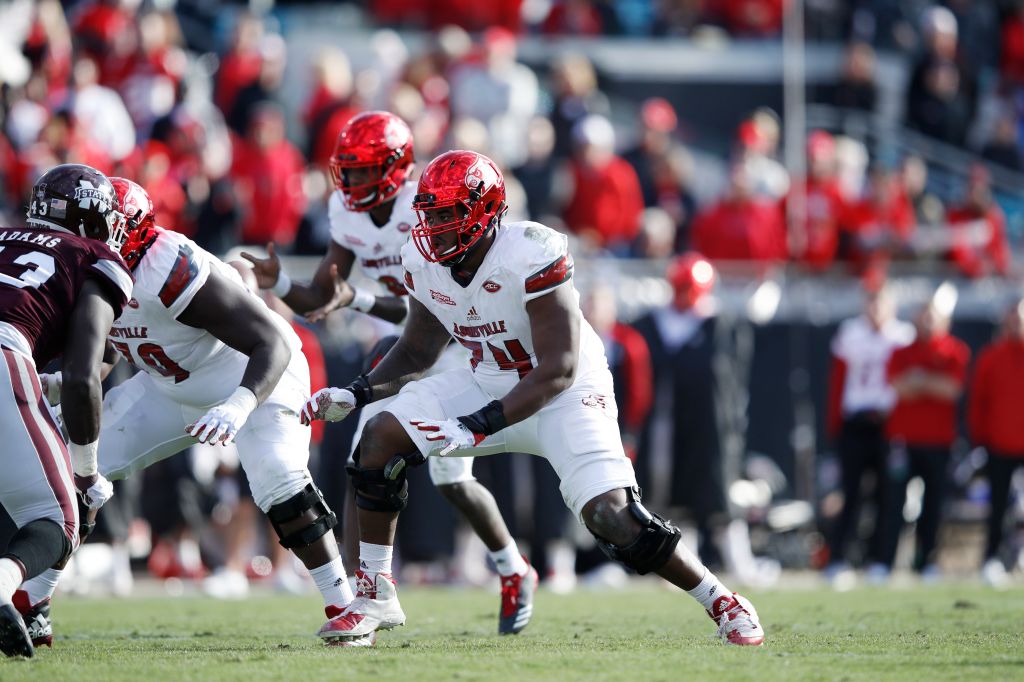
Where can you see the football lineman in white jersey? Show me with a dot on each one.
(217, 366)
(371, 215)
(539, 383)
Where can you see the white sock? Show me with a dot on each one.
(10, 578)
(375, 558)
(708, 590)
(332, 582)
(509, 561)
(42, 586)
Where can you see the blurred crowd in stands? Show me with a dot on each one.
(200, 121)
(197, 115)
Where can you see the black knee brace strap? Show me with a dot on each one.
(652, 548)
(293, 508)
(383, 490)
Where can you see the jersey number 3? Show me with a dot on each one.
(44, 268)
(155, 357)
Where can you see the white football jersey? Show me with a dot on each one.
(489, 317)
(866, 352)
(378, 250)
(191, 365)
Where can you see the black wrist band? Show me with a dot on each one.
(488, 420)
(361, 389)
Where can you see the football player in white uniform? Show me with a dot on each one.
(539, 383)
(371, 216)
(217, 367)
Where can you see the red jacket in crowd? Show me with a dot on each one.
(740, 229)
(314, 354)
(927, 420)
(607, 201)
(1011, 61)
(749, 17)
(269, 183)
(471, 15)
(994, 256)
(819, 230)
(630, 363)
(994, 408)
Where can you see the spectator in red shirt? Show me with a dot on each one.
(573, 17)
(267, 170)
(1011, 61)
(978, 230)
(330, 105)
(240, 66)
(606, 203)
(994, 421)
(740, 226)
(754, 18)
(928, 377)
(814, 228)
(882, 223)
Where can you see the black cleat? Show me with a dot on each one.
(14, 639)
(37, 619)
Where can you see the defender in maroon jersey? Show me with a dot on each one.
(62, 284)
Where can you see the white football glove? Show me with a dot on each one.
(329, 404)
(95, 495)
(51, 387)
(222, 423)
(454, 433)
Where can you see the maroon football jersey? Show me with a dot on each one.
(41, 273)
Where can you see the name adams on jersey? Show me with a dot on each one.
(41, 272)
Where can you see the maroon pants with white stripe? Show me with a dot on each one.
(36, 481)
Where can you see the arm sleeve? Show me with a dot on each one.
(640, 379)
(837, 380)
(977, 401)
(336, 219)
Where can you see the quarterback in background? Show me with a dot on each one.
(371, 216)
(539, 383)
(217, 366)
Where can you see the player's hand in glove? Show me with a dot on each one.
(94, 490)
(51, 387)
(334, 404)
(455, 434)
(329, 404)
(222, 423)
(464, 432)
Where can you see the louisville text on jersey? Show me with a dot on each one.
(478, 330)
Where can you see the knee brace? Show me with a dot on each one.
(293, 508)
(652, 548)
(383, 490)
(39, 545)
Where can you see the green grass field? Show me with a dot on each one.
(961, 633)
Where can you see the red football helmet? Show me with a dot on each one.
(140, 222)
(373, 140)
(473, 186)
(692, 278)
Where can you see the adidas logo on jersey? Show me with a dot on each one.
(472, 315)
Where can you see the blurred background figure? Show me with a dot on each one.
(860, 400)
(814, 226)
(928, 377)
(977, 229)
(997, 392)
(605, 206)
(740, 226)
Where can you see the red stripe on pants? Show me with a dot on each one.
(51, 460)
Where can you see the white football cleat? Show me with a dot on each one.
(994, 574)
(375, 608)
(737, 621)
